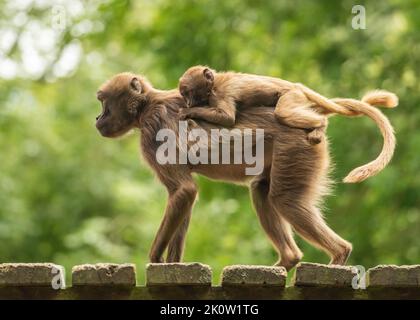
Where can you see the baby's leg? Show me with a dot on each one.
(316, 135)
(294, 109)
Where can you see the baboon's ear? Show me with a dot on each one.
(208, 74)
(135, 85)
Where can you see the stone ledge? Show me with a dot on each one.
(314, 279)
(104, 274)
(250, 275)
(32, 275)
(394, 276)
(321, 275)
(208, 293)
(178, 274)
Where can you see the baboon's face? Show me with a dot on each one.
(120, 105)
(196, 85)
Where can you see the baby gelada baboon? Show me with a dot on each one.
(295, 104)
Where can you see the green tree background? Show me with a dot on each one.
(69, 196)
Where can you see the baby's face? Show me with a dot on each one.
(195, 88)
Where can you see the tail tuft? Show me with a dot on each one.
(358, 175)
(381, 98)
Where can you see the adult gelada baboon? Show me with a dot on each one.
(286, 194)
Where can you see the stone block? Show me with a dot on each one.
(178, 274)
(104, 274)
(32, 275)
(319, 275)
(249, 275)
(394, 276)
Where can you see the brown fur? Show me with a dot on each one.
(296, 106)
(286, 195)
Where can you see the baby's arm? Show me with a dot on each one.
(219, 111)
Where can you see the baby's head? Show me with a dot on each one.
(196, 85)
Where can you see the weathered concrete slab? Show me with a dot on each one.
(315, 274)
(104, 274)
(176, 274)
(394, 276)
(32, 275)
(249, 275)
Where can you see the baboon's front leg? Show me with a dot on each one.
(180, 202)
(177, 243)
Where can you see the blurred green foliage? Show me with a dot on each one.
(71, 197)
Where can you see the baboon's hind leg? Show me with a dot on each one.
(278, 230)
(295, 173)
